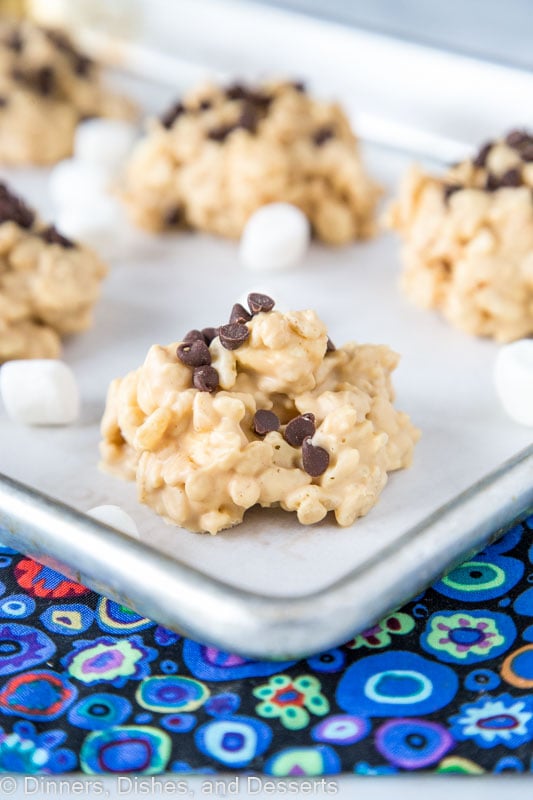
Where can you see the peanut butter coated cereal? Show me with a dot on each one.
(46, 87)
(213, 159)
(292, 423)
(468, 239)
(48, 284)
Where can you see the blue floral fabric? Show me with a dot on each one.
(443, 684)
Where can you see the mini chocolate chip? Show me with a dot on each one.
(205, 105)
(194, 354)
(321, 135)
(492, 182)
(299, 428)
(248, 118)
(315, 460)
(512, 177)
(45, 80)
(449, 189)
(330, 347)
(232, 336)
(209, 334)
(173, 217)
(205, 378)
(3, 101)
(527, 153)
(14, 42)
(221, 133)
(82, 65)
(239, 314)
(14, 209)
(260, 99)
(265, 421)
(260, 302)
(517, 138)
(193, 336)
(52, 236)
(169, 117)
(481, 158)
(236, 92)
(298, 86)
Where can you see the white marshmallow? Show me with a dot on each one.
(40, 392)
(105, 142)
(513, 377)
(78, 183)
(276, 237)
(116, 517)
(99, 226)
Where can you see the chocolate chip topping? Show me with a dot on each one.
(169, 117)
(41, 80)
(232, 336)
(315, 460)
(194, 354)
(239, 314)
(527, 152)
(512, 177)
(81, 64)
(481, 158)
(221, 133)
(173, 216)
(517, 138)
(205, 105)
(45, 81)
(14, 209)
(492, 182)
(260, 302)
(209, 334)
(265, 422)
(321, 135)
(248, 118)
(299, 428)
(237, 91)
(193, 336)
(205, 378)
(298, 86)
(14, 42)
(330, 347)
(449, 189)
(3, 101)
(52, 236)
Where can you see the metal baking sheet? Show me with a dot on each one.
(301, 588)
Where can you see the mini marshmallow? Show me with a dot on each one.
(99, 226)
(276, 237)
(115, 517)
(40, 392)
(104, 142)
(513, 377)
(78, 183)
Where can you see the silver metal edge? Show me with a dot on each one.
(211, 611)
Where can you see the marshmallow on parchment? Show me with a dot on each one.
(40, 392)
(115, 517)
(276, 237)
(513, 378)
(104, 142)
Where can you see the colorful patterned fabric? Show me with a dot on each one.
(445, 684)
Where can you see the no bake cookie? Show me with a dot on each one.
(468, 239)
(46, 87)
(48, 283)
(262, 410)
(212, 159)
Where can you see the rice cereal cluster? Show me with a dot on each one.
(212, 159)
(263, 411)
(468, 239)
